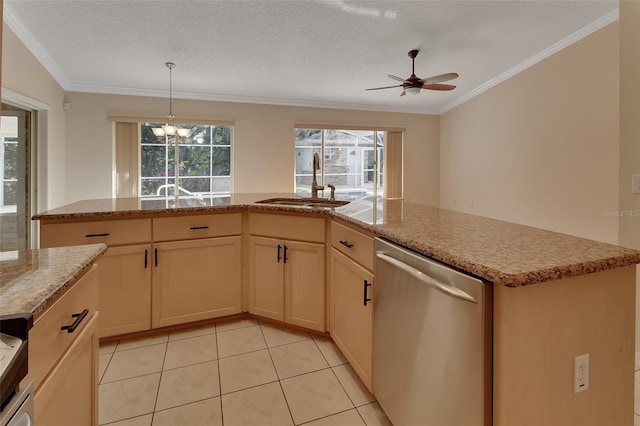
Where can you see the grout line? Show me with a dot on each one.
(160, 381)
(330, 415)
(343, 388)
(284, 395)
(219, 376)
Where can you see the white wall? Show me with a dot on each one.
(541, 148)
(31, 84)
(263, 145)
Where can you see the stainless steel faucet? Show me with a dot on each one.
(314, 182)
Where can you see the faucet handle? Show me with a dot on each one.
(333, 191)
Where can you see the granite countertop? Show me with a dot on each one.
(32, 280)
(501, 252)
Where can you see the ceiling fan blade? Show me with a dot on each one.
(396, 78)
(438, 87)
(403, 93)
(388, 87)
(440, 78)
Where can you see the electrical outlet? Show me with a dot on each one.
(635, 184)
(581, 373)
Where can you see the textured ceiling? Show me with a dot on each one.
(312, 52)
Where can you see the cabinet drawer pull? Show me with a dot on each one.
(285, 254)
(106, 234)
(365, 298)
(156, 256)
(78, 319)
(193, 228)
(346, 244)
(279, 257)
(146, 254)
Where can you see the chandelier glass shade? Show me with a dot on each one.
(170, 129)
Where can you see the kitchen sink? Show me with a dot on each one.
(305, 202)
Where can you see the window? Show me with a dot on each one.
(197, 166)
(351, 160)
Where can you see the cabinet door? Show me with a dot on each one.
(304, 284)
(125, 290)
(196, 280)
(266, 277)
(352, 319)
(69, 395)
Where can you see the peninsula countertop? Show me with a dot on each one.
(32, 280)
(500, 252)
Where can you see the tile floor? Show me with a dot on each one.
(240, 372)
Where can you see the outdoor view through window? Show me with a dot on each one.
(351, 160)
(194, 167)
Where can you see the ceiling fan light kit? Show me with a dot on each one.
(413, 85)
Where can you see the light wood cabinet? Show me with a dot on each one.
(286, 276)
(64, 365)
(125, 269)
(352, 298)
(125, 290)
(195, 280)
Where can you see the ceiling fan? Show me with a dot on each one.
(413, 84)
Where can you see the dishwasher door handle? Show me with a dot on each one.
(426, 279)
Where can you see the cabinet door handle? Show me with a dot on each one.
(285, 254)
(365, 298)
(279, 257)
(346, 244)
(106, 234)
(156, 256)
(78, 319)
(193, 228)
(146, 254)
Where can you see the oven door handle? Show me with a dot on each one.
(426, 279)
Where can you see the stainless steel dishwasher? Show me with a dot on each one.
(432, 341)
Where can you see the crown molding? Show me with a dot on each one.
(36, 49)
(596, 25)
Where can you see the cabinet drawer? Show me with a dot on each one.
(354, 244)
(47, 342)
(287, 227)
(197, 226)
(109, 232)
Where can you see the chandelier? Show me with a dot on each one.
(170, 129)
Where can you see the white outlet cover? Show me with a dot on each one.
(581, 373)
(635, 184)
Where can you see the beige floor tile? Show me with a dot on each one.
(235, 324)
(277, 335)
(315, 395)
(135, 362)
(136, 421)
(103, 362)
(260, 406)
(346, 418)
(239, 341)
(191, 351)
(192, 332)
(142, 341)
(330, 351)
(128, 398)
(201, 413)
(246, 370)
(297, 358)
(351, 383)
(108, 348)
(373, 415)
(189, 384)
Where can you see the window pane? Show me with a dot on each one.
(204, 156)
(307, 143)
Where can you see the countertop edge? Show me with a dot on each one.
(489, 274)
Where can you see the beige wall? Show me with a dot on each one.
(263, 149)
(541, 148)
(629, 232)
(24, 75)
